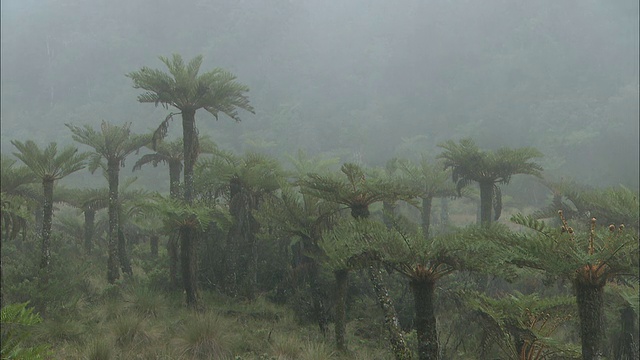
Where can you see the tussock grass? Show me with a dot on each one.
(146, 302)
(99, 350)
(131, 330)
(203, 336)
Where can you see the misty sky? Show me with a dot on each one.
(366, 80)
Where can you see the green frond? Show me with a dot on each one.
(531, 223)
(215, 91)
(467, 161)
(176, 214)
(515, 318)
(304, 164)
(49, 163)
(14, 178)
(153, 159)
(113, 143)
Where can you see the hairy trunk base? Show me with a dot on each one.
(425, 319)
(590, 301)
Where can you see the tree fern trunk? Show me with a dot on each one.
(251, 264)
(342, 283)
(187, 236)
(590, 301)
(398, 344)
(626, 347)
(47, 216)
(234, 237)
(112, 262)
(426, 216)
(172, 249)
(318, 297)
(486, 202)
(125, 264)
(89, 229)
(174, 179)
(388, 209)
(425, 319)
(153, 245)
(189, 138)
(189, 266)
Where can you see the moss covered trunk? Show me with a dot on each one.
(590, 301)
(396, 339)
(175, 167)
(425, 319)
(47, 216)
(113, 274)
(187, 235)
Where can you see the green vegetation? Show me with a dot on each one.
(270, 256)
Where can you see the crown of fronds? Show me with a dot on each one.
(176, 214)
(427, 178)
(591, 256)
(353, 242)
(354, 188)
(216, 91)
(298, 215)
(49, 163)
(468, 163)
(529, 319)
(256, 174)
(113, 143)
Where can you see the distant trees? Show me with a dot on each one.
(216, 92)
(428, 180)
(17, 197)
(49, 165)
(112, 143)
(89, 201)
(172, 154)
(488, 168)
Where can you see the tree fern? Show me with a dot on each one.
(17, 321)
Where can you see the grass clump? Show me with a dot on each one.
(203, 336)
(130, 330)
(99, 350)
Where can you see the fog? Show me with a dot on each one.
(364, 80)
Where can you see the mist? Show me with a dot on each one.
(363, 80)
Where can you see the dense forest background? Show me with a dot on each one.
(366, 206)
(366, 80)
